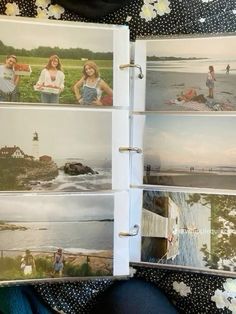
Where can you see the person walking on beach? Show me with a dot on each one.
(227, 69)
(58, 263)
(28, 263)
(52, 77)
(148, 170)
(8, 80)
(210, 81)
(89, 89)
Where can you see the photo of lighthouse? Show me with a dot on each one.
(35, 145)
(55, 149)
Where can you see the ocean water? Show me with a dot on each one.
(87, 182)
(71, 236)
(178, 171)
(190, 243)
(192, 66)
(75, 183)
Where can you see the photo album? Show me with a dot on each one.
(183, 185)
(114, 153)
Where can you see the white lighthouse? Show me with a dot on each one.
(35, 145)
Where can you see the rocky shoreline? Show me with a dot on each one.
(77, 168)
(8, 226)
(18, 173)
(46, 171)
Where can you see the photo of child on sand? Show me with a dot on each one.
(195, 74)
(189, 229)
(190, 151)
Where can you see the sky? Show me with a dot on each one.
(63, 133)
(211, 47)
(191, 140)
(56, 208)
(31, 35)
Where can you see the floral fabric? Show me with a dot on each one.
(145, 18)
(194, 293)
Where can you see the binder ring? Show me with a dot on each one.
(132, 233)
(131, 65)
(130, 149)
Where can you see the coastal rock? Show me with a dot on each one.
(8, 226)
(77, 168)
(35, 175)
(22, 174)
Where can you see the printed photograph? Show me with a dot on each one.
(190, 151)
(55, 149)
(191, 74)
(186, 229)
(56, 236)
(55, 64)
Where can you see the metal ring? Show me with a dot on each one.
(131, 65)
(130, 149)
(132, 233)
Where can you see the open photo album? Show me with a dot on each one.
(114, 154)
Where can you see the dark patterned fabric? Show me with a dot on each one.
(190, 293)
(194, 295)
(92, 8)
(73, 297)
(185, 17)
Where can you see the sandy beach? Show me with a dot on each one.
(213, 181)
(163, 88)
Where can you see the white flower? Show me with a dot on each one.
(162, 7)
(230, 287)
(220, 299)
(42, 3)
(149, 1)
(56, 11)
(42, 13)
(12, 9)
(234, 11)
(58, 311)
(132, 271)
(232, 306)
(202, 20)
(147, 12)
(152, 8)
(128, 19)
(181, 288)
(207, 0)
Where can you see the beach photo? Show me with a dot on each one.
(190, 151)
(55, 63)
(48, 236)
(189, 229)
(55, 149)
(191, 74)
